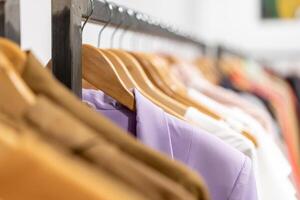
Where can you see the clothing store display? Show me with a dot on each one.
(294, 82)
(279, 95)
(41, 82)
(183, 142)
(194, 79)
(167, 116)
(87, 143)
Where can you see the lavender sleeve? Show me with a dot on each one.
(245, 186)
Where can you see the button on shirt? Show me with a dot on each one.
(227, 172)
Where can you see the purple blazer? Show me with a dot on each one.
(227, 172)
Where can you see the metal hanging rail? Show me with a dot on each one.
(223, 51)
(10, 20)
(67, 16)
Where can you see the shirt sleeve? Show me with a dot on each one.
(245, 187)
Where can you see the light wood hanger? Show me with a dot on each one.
(105, 71)
(85, 83)
(146, 85)
(110, 61)
(122, 71)
(121, 66)
(246, 133)
(156, 69)
(99, 71)
(207, 66)
(17, 95)
(13, 54)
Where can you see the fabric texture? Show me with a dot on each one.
(278, 94)
(38, 169)
(227, 172)
(193, 79)
(69, 131)
(42, 82)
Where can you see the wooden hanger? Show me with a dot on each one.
(207, 66)
(105, 71)
(146, 85)
(99, 71)
(250, 136)
(16, 94)
(85, 83)
(122, 71)
(140, 85)
(156, 69)
(13, 54)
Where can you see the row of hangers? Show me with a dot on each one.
(116, 72)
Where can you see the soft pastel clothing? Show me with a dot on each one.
(41, 82)
(227, 172)
(279, 95)
(193, 79)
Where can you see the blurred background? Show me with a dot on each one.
(267, 30)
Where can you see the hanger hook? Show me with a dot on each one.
(110, 9)
(135, 40)
(120, 10)
(92, 6)
(129, 13)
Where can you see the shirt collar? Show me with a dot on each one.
(152, 127)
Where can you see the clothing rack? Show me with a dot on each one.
(67, 16)
(223, 50)
(10, 20)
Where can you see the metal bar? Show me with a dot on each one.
(2, 18)
(66, 43)
(67, 37)
(10, 20)
(101, 14)
(223, 51)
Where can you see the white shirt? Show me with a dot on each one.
(271, 167)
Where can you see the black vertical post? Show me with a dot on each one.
(66, 43)
(10, 20)
(2, 18)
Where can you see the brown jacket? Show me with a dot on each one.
(33, 169)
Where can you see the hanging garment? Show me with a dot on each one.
(33, 169)
(66, 130)
(193, 79)
(227, 172)
(41, 82)
(278, 94)
(222, 130)
(294, 82)
(276, 133)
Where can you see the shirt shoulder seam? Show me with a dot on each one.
(238, 177)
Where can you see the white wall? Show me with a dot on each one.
(232, 22)
(238, 24)
(36, 27)
(36, 22)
